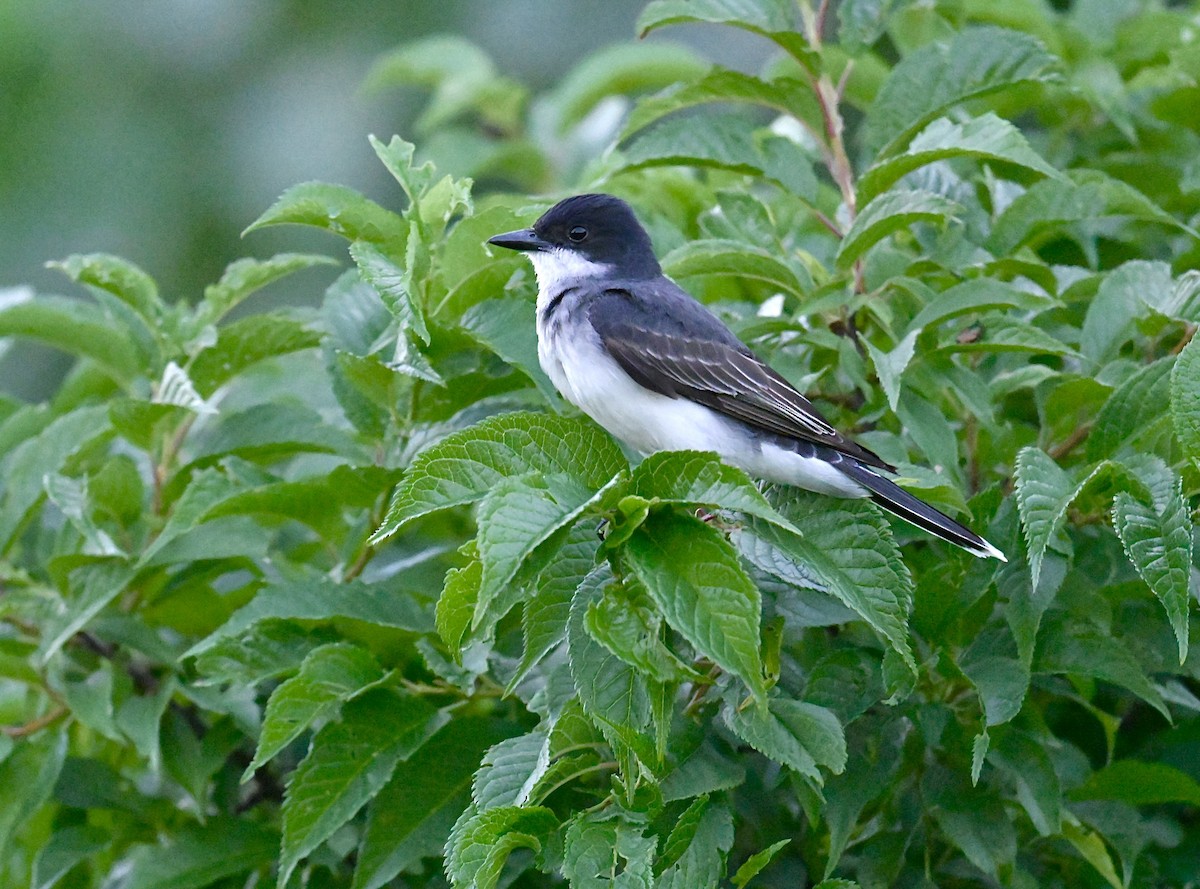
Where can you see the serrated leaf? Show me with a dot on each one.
(245, 276)
(116, 276)
(1185, 399)
(702, 864)
(785, 94)
(1084, 651)
(726, 141)
(609, 689)
(337, 209)
(1132, 409)
(201, 855)
(412, 816)
(70, 495)
(545, 615)
(891, 212)
(76, 327)
(694, 576)
(456, 605)
(848, 546)
(395, 286)
(795, 734)
(481, 842)
(1158, 541)
(510, 770)
(320, 598)
(975, 62)
(329, 675)
(464, 466)
(601, 852)
(1024, 760)
(247, 341)
(349, 762)
(1112, 313)
(773, 19)
(724, 258)
(1044, 492)
(1086, 196)
(984, 138)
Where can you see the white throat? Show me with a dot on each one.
(556, 267)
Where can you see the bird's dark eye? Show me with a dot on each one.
(577, 233)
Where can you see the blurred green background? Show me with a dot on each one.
(159, 129)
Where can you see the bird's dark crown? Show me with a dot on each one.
(603, 229)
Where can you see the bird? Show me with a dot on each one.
(659, 371)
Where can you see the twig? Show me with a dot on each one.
(1069, 443)
(34, 725)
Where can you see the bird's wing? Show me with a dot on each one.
(698, 358)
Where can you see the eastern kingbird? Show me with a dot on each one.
(641, 357)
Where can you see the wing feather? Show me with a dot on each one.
(719, 372)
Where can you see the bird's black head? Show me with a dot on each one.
(598, 228)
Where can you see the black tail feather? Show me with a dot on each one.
(898, 501)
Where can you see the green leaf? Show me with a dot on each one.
(1044, 492)
(981, 829)
(1113, 312)
(784, 94)
(1086, 652)
(320, 598)
(795, 734)
(975, 62)
(734, 259)
(93, 587)
(507, 328)
(621, 69)
(245, 276)
(67, 847)
(515, 517)
(849, 547)
(753, 865)
(1158, 541)
(694, 576)
(412, 816)
(1185, 399)
(891, 212)
(510, 770)
(456, 605)
(625, 622)
(725, 141)
(27, 778)
(1025, 761)
(70, 495)
(1086, 196)
(395, 285)
(76, 327)
(702, 864)
(118, 277)
(602, 852)
(329, 676)
(464, 466)
(984, 138)
(350, 761)
(201, 855)
(1134, 408)
(1140, 784)
(337, 209)
(545, 615)
(700, 478)
(890, 366)
(481, 842)
(609, 689)
(773, 19)
(246, 342)
(1090, 845)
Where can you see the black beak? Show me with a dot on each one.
(525, 240)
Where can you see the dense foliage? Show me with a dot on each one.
(350, 597)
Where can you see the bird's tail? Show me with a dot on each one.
(912, 509)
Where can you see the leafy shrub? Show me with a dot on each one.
(312, 596)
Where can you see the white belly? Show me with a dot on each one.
(648, 422)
